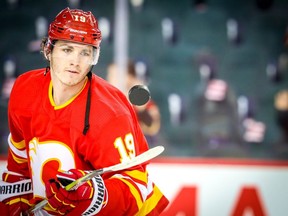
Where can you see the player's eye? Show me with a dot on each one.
(85, 53)
(67, 50)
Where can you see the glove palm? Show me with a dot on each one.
(77, 200)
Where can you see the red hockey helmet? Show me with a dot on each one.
(77, 26)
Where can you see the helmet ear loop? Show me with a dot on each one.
(46, 52)
(48, 48)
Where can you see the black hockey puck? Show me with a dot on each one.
(139, 95)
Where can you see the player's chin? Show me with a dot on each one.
(73, 80)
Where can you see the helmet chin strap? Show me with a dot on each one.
(88, 104)
(46, 70)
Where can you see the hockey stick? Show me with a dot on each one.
(139, 159)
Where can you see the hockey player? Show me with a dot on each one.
(65, 121)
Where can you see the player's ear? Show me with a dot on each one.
(47, 54)
(46, 48)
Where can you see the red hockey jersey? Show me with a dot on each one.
(46, 138)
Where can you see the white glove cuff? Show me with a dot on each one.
(98, 200)
(8, 190)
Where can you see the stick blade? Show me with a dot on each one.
(144, 157)
(139, 159)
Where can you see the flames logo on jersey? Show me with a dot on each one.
(46, 158)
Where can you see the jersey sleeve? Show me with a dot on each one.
(17, 155)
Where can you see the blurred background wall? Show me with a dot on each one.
(185, 46)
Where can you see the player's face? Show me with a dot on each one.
(70, 62)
